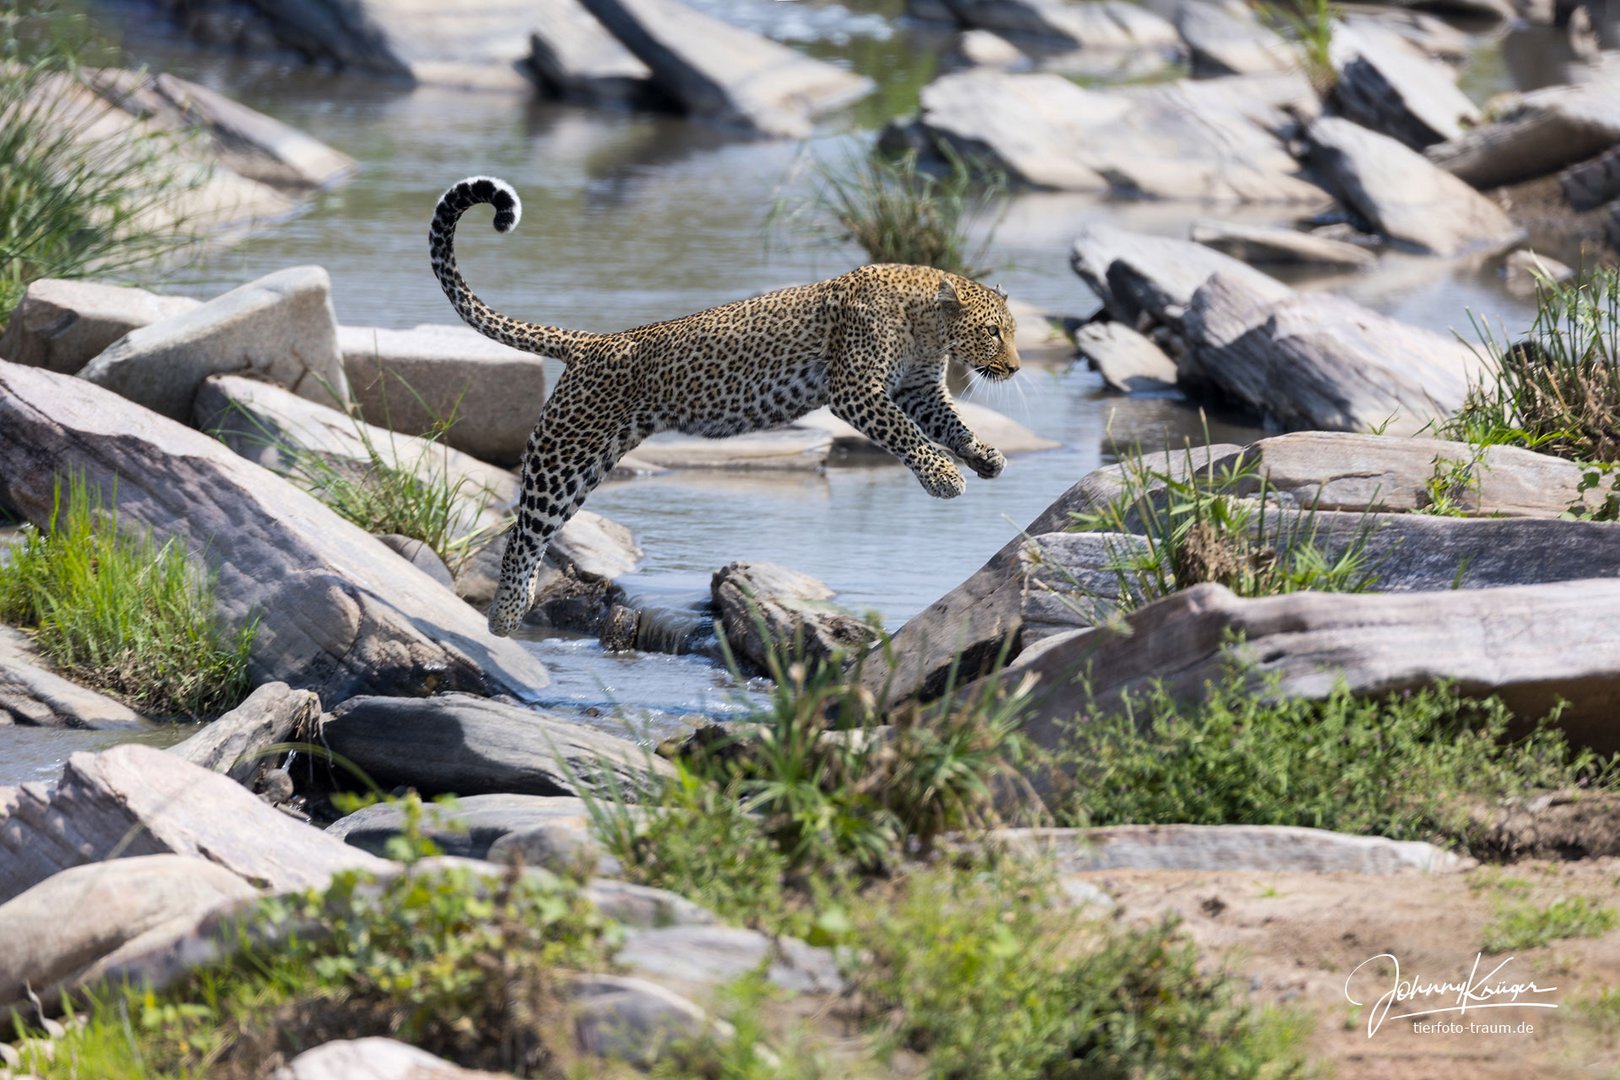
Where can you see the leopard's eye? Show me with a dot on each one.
(995, 330)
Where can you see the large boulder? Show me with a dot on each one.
(337, 612)
(1389, 85)
(32, 693)
(280, 328)
(1210, 139)
(63, 325)
(1402, 195)
(1543, 132)
(416, 381)
(721, 72)
(136, 800)
(767, 610)
(573, 57)
(464, 745)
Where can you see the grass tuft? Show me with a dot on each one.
(1527, 925)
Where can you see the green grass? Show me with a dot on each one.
(123, 612)
(1308, 24)
(75, 201)
(1410, 766)
(1528, 925)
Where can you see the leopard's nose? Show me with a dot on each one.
(1009, 353)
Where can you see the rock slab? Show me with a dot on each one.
(63, 324)
(32, 693)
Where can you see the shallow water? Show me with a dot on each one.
(633, 218)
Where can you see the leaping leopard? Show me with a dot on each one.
(872, 343)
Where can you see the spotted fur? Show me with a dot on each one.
(872, 343)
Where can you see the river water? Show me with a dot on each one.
(633, 218)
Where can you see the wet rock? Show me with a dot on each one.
(1547, 130)
(765, 609)
(631, 1020)
(1317, 360)
(1210, 139)
(573, 57)
(338, 612)
(279, 327)
(63, 325)
(32, 693)
(1387, 84)
(720, 72)
(711, 956)
(1270, 244)
(125, 902)
(468, 827)
(416, 381)
(784, 448)
(1222, 42)
(1402, 195)
(1104, 24)
(374, 1058)
(235, 743)
(997, 429)
(666, 613)
(1127, 361)
(464, 745)
(1372, 643)
(136, 800)
(578, 582)
(1262, 849)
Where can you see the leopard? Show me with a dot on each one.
(874, 343)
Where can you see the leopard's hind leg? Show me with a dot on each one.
(574, 445)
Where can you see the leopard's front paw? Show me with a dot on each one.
(987, 461)
(940, 478)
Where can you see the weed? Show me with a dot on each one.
(1309, 24)
(1527, 925)
(122, 612)
(1449, 486)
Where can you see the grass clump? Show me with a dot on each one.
(1308, 24)
(1527, 925)
(1410, 766)
(82, 191)
(122, 612)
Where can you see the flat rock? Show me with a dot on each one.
(62, 932)
(1102, 24)
(1128, 362)
(136, 800)
(1221, 42)
(1389, 85)
(1373, 643)
(464, 745)
(374, 1058)
(1317, 360)
(32, 693)
(415, 381)
(997, 429)
(1260, 849)
(339, 613)
(766, 610)
(1545, 131)
(1272, 244)
(235, 744)
(1209, 139)
(783, 448)
(712, 956)
(720, 72)
(64, 324)
(573, 57)
(467, 827)
(1403, 195)
(279, 327)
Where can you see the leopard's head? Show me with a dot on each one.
(981, 328)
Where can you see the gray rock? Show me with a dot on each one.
(1388, 85)
(711, 956)
(574, 57)
(1270, 244)
(1590, 184)
(137, 800)
(1224, 43)
(280, 327)
(1209, 139)
(62, 932)
(764, 609)
(419, 555)
(374, 1058)
(413, 381)
(1000, 431)
(791, 448)
(645, 907)
(565, 849)
(464, 745)
(981, 48)
(1127, 361)
(632, 1020)
(1547, 130)
(235, 743)
(34, 694)
(1262, 849)
(338, 612)
(63, 325)
(1103, 24)
(1403, 195)
(1317, 360)
(468, 827)
(723, 73)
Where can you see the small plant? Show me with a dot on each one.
(1309, 24)
(1527, 925)
(1451, 483)
(898, 212)
(122, 612)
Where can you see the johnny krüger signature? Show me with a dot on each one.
(1476, 992)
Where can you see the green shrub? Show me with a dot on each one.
(1410, 766)
(1528, 925)
(122, 612)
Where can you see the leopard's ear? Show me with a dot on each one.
(949, 302)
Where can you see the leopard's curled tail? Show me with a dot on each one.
(536, 338)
